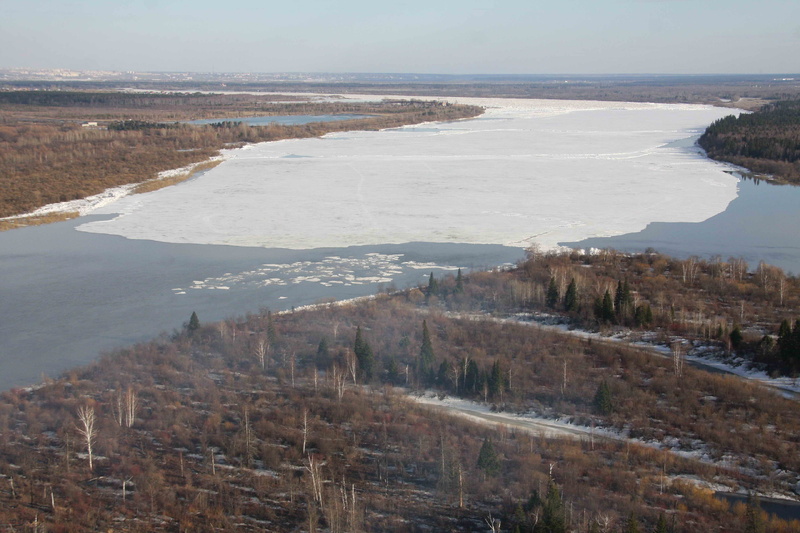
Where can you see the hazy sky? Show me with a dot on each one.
(432, 36)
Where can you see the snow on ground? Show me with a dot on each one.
(702, 354)
(527, 171)
(85, 206)
(482, 413)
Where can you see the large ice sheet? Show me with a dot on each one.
(527, 171)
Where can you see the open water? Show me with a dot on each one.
(761, 224)
(66, 295)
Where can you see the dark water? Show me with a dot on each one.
(784, 509)
(761, 224)
(66, 295)
(283, 120)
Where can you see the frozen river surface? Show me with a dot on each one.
(527, 171)
(341, 216)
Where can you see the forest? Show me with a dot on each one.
(308, 420)
(766, 141)
(48, 154)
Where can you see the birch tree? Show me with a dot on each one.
(86, 428)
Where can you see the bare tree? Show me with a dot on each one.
(493, 523)
(339, 377)
(305, 429)
(124, 407)
(689, 269)
(677, 358)
(352, 364)
(87, 430)
(261, 350)
(313, 468)
(781, 287)
(130, 404)
(248, 437)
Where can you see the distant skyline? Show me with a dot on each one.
(431, 37)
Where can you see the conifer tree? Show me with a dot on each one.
(433, 286)
(487, 458)
(495, 380)
(426, 355)
(602, 399)
(194, 323)
(364, 355)
(272, 334)
(472, 381)
(459, 282)
(571, 297)
(554, 518)
(552, 294)
(322, 353)
(632, 524)
(736, 337)
(661, 525)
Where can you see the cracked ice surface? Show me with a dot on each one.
(526, 171)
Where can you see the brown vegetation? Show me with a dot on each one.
(269, 422)
(47, 156)
(36, 220)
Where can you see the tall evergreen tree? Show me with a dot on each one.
(459, 282)
(272, 334)
(632, 524)
(554, 518)
(643, 315)
(495, 380)
(736, 337)
(552, 294)
(323, 353)
(392, 372)
(472, 381)
(426, 355)
(194, 323)
(602, 399)
(364, 355)
(443, 376)
(571, 297)
(623, 300)
(661, 525)
(487, 458)
(433, 286)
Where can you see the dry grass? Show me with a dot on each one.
(160, 183)
(36, 220)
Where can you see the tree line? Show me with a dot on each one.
(766, 141)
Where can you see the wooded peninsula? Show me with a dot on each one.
(766, 141)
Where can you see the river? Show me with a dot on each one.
(69, 295)
(759, 225)
(310, 218)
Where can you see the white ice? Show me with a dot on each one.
(527, 171)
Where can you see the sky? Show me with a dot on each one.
(412, 36)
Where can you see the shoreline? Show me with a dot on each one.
(65, 210)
